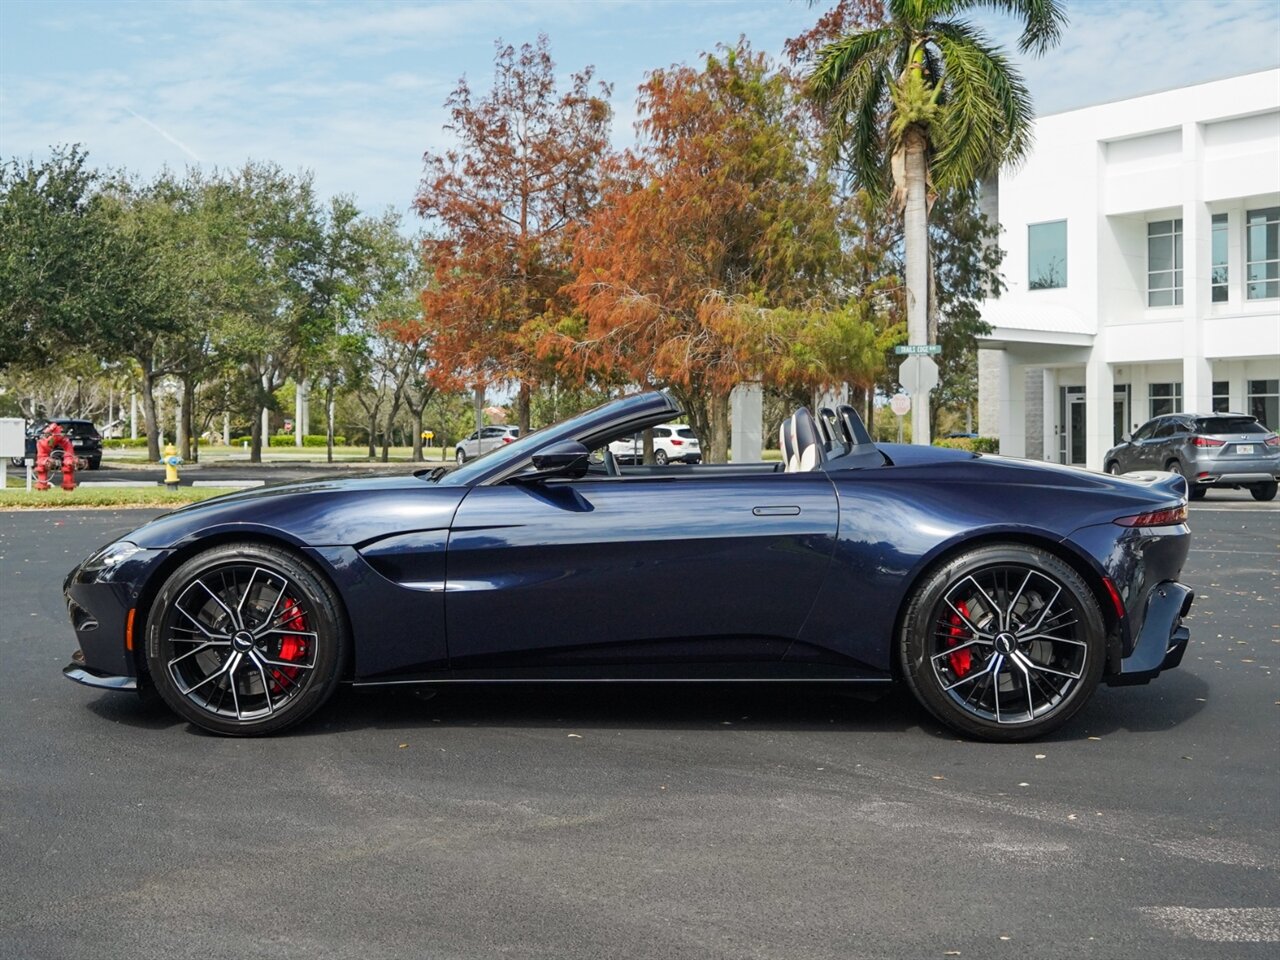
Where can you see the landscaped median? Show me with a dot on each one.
(59, 499)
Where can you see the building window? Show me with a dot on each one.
(1262, 240)
(1047, 255)
(1164, 263)
(1218, 278)
(1165, 398)
(1221, 396)
(1264, 402)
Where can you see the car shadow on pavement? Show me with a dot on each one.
(1163, 705)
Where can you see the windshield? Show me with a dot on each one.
(1212, 425)
(520, 448)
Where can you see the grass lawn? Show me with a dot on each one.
(17, 498)
(210, 453)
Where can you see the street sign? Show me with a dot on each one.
(918, 375)
(900, 404)
(918, 349)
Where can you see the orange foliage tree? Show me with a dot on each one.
(720, 213)
(503, 206)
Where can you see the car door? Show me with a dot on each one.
(637, 573)
(1134, 455)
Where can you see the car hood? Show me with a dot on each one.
(339, 511)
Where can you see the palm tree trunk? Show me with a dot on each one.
(916, 229)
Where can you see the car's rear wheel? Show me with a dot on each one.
(1003, 643)
(95, 463)
(660, 457)
(1113, 467)
(1264, 491)
(1173, 466)
(1197, 492)
(246, 639)
(461, 457)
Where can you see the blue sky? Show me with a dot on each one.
(353, 91)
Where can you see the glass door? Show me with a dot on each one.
(1075, 430)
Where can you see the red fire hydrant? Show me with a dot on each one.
(54, 439)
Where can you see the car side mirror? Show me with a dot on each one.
(1125, 438)
(568, 458)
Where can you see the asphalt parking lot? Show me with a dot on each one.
(680, 822)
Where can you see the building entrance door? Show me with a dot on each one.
(1075, 430)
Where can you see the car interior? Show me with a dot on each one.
(807, 443)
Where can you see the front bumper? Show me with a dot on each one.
(77, 670)
(1162, 640)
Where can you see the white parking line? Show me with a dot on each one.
(1220, 925)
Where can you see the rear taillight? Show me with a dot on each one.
(1156, 518)
(506, 439)
(1207, 442)
(1272, 441)
(677, 443)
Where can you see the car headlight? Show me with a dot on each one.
(110, 556)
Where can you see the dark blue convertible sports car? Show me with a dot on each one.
(1000, 591)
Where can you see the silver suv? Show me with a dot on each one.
(490, 438)
(1209, 449)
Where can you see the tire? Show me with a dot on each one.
(944, 657)
(660, 457)
(259, 616)
(1197, 492)
(1113, 468)
(461, 457)
(18, 461)
(1173, 466)
(1264, 491)
(95, 463)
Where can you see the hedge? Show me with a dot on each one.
(127, 442)
(308, 440)
(972, 444)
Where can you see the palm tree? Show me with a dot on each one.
(924, 101)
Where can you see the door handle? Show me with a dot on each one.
(784, 511)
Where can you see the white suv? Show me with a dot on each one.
(672, 443)
(490, 438)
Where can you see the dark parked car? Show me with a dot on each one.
(85, 440)
(1210, 450)
(999, 591)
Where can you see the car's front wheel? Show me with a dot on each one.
(1264, 491)
(246, 639)
(1003, 642)
(461, 457)
(1113, 467)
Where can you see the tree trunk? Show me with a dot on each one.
(186, 421)
(149, 411)
(719, 411)
(646, 441)
(255, 438)
(916, 229)
(417, 435)
(328, 419)
(522, 407)
(391, 420)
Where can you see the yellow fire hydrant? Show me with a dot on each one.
(171, 461)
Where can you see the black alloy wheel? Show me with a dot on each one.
(1003, 643)
(246, 639)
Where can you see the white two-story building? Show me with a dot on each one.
(1142, 264)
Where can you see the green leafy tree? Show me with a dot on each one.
(923, 101)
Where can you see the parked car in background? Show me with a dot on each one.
(85, 440)
(482, 441)
(1210, 450)
(672, 443)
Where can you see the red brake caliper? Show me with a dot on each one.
(961, 660)
(292, 647)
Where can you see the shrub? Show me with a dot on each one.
(125, 442)
(972, 444)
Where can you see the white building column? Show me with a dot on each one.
(746, 414)
(299, 412)
(1049, 399)
(1013, 413)
(1197, 258)
(1099, 399)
